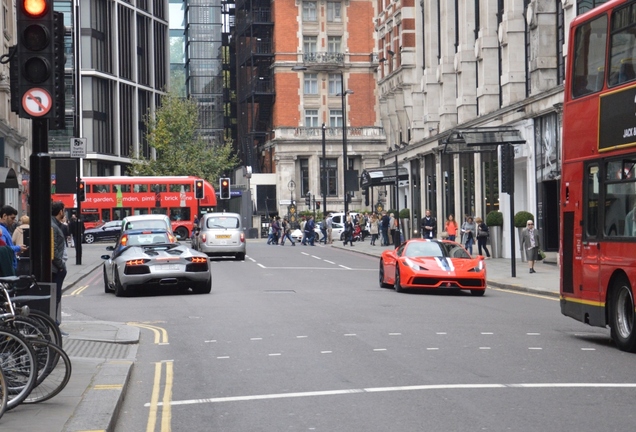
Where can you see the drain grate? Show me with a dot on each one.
(92, 349)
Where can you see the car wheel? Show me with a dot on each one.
(382, 283)
(119, 289)
(397, 285)
(106, 287)
(203, 287)
(622, 316)
(89, 238)
(240, 256)
(477, 293)
(181, 233)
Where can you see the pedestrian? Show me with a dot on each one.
(384, 228)
(73, 226)
(482, 236)
(451, 227)
(392, 227)
(7, 219)
(329, 229)
(323, 230)
(428, 226)
(374, 228)
(285, 229)
(59, 250)
(195, 226)
(310, 234)
(468, 234)
(348, 230)
(276, 230)
(530, 243)
(18, 234)
(270, 232)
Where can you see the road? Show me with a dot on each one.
(303, 338)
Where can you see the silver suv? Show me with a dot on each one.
(220, 234)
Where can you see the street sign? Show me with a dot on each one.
(78, 147)
(37, 102)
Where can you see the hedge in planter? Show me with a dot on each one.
(522, 218)
(494, 218)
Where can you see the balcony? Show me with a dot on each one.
(326, 60)
(255, 47)
(258, 16)
(330, 132)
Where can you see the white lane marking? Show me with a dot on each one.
(395, 334)
(305, 253)
(432, 349)
(440, 333)
(350, 334)
(535, 348)
(533, 334)
(274, 354)
(210, 341)
(396, 389)
(301, 337)
(379, 349)
(487, 333)
(251, 259)
(314, 256)
(330, 262)
(588, 349)
(255, 339)
(223, 357)
(344, 267)
(484, 348)
(261, 265)
(326, 352)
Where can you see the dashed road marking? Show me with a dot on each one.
(379, 349)
(256, 339)
(535, 348)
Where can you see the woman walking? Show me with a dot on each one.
(451, 227)
(468, 234)
(530, 243)
(348, 231)
(374, 228)
(482, 236)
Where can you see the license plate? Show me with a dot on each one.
(223, 236)
(167, 267)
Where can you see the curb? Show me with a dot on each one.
(520, 288)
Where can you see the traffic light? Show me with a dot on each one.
(225, 188)
(308, 199)
(81, 191)
(198, 189)
(37, 64)
(317, 205)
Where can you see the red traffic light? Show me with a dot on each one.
(34, 8)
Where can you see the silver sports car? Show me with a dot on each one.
(150, 259)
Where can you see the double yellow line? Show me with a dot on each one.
(161, 338)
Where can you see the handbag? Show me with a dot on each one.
(482, 233)
(541, 256)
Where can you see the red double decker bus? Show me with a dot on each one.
(598, 186)
(114, 198)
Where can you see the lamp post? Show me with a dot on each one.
(396, 236)
(344, 94)
(323, 173)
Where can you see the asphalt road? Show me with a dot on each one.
(303, 338)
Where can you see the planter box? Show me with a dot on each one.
(496, 240)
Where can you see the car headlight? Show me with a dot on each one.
(413, 265)
(479, 267)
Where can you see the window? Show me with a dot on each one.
(122, 188)
(335, 84)
(620, 198)
(310, 44)
(309, 11)
(141, 188)
(334, 11)
(304, 177)
(334, 43)
(331, 174)
(101, 188)
(311, 118)
(589, 57)
(622, 47)
(311, 84)
(335, 118)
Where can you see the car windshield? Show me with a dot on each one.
(144, 224)
(145, 239)
(226, 222)
(453, 250)
(423, 249)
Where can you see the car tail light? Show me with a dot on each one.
(172, 238)
(242, 237)
(136, 262)
(203, 238)
(124, 240)
(198, 260)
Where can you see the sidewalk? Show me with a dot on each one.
(102, 355)
(499, 271)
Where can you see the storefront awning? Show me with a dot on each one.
(382, 176)
(8, 178)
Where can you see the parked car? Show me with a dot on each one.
(432, 264)
(149, 259)
(108, 231)
(220, 234)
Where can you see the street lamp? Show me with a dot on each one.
(343, 93)
(397, 235)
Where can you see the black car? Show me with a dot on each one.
(109, 231)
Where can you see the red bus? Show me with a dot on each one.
(114, 198)
(598, 183)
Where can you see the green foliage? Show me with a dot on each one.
(494, 218)
(172, 132)
(405, 213)
(522, 217)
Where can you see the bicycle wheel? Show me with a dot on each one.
(54, 371)
(18, 362)
(4, 397)
(28, 327)
(53, 330)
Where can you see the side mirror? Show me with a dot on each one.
(105, 257)
(109, 248)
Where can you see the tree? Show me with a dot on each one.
(172, 132)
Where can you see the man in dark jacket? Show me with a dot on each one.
(428, 226)
(309, 231)
(59, 248)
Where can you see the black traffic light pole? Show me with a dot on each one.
(80, 193)
(40, 196)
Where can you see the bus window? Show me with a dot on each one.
(159, 210)
(623, 46)
(140, 211)
(589, 57)
(160, 188)
(141, 188)
(591, 218)
(121, 212)
(101, 188)
(180, 214)
(123, 188)
(105, 215)
(620, 197)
